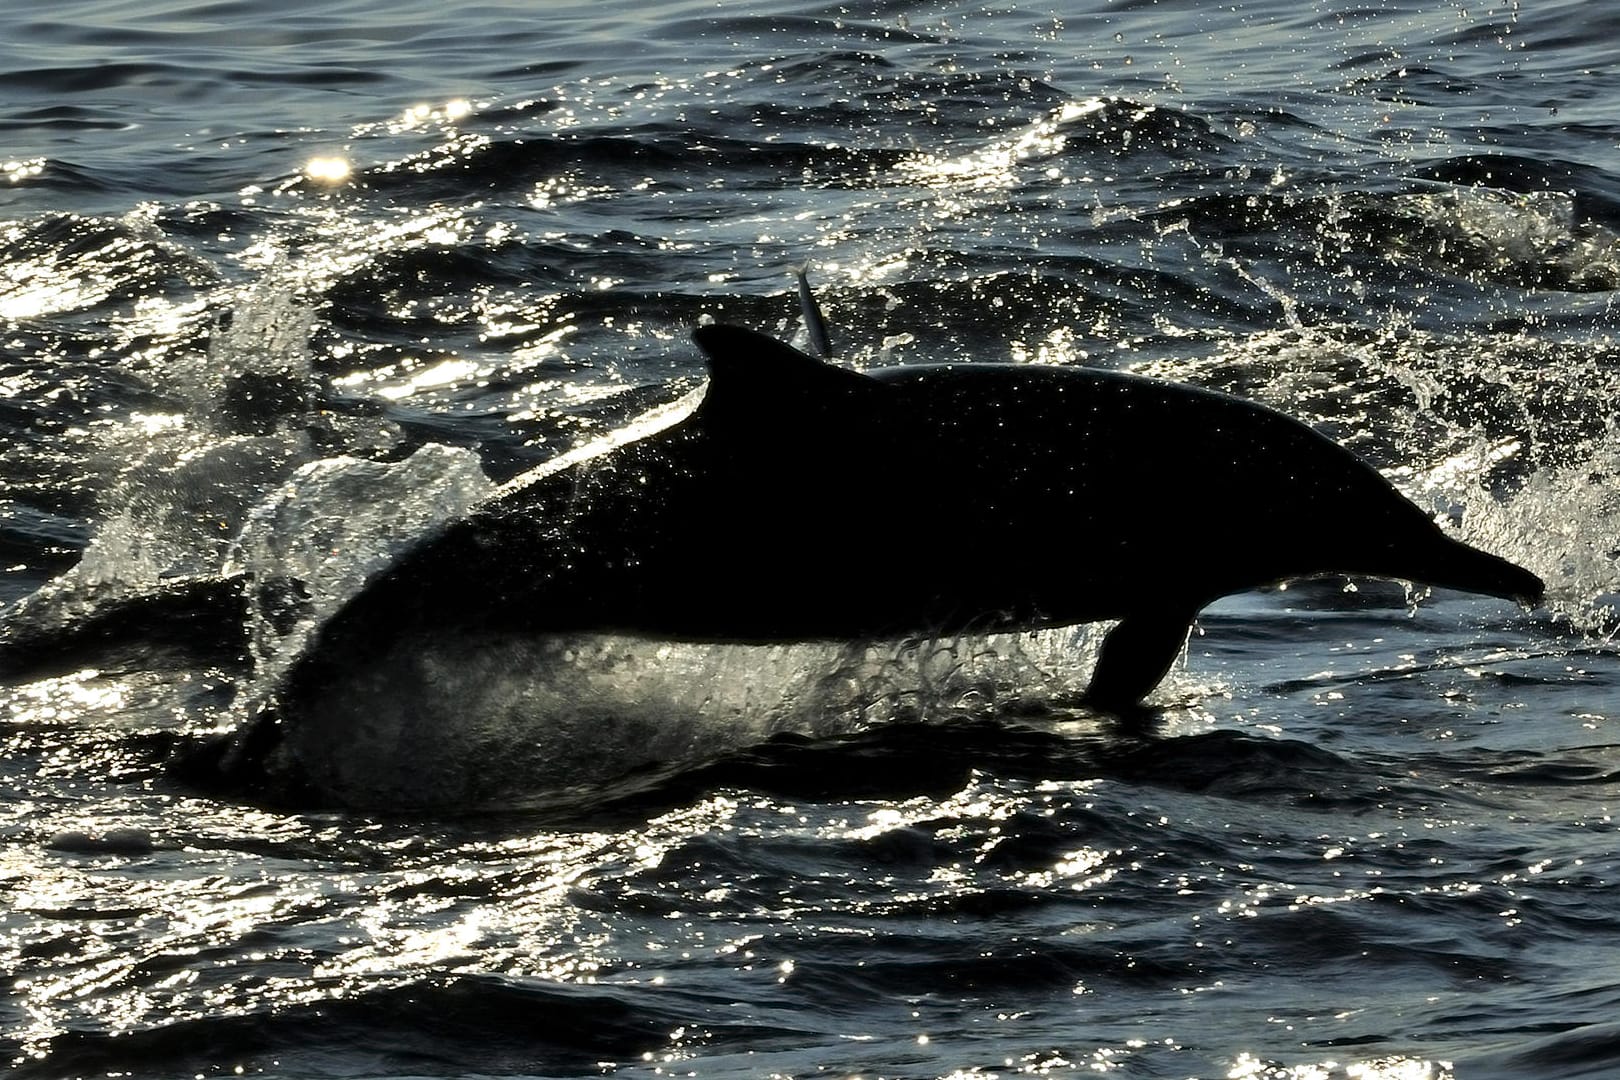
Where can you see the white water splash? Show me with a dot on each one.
(511, 719)
(336, 522)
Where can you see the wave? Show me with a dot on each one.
(514, 1024)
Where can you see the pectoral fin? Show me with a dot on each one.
(1135, 656)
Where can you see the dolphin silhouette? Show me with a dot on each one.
(803, 501)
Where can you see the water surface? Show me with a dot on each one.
(1369, 833)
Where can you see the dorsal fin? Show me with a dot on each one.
(753, 370)
(815, 323)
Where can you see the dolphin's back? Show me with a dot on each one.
(1199, 488)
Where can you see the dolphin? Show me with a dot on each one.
(203, 617)
(803, 501)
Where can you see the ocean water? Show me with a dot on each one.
(283, 286)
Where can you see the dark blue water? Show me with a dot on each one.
(1368, 833)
